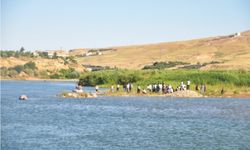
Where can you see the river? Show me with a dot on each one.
(46, 121)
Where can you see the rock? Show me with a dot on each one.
(78, 95)
(23, 97)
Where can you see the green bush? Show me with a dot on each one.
(29, 71)
(19, 68)
(55, 76)
(66, 74)
(30, 65)
(163, 65)
(72, 75)
(12, 73)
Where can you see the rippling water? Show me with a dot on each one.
(46, 121)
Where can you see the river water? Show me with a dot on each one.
(46, 121)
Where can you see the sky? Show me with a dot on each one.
(69, 24)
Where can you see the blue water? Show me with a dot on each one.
(46, 121)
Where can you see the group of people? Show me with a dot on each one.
(155, 88)
(126, 87)
(167, 88)
(202, 88)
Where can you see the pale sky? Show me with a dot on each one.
(51, 24)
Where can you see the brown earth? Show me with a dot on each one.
(231, 52)
(41, 63)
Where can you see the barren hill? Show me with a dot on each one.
(232, 51)
(41, 63)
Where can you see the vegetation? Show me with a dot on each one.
(11, 53)
(214, 79)
(163, 65)
(30, 65)
(198, 65)
(66, 74)
(110, 77)
(170, 64)
(70, 59)
(29, 68)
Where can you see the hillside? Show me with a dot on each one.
(229, 52)
(233, 52)
(41, 63)
(17, 68)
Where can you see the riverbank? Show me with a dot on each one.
(181, 94)
(212, 90)
(187, 94)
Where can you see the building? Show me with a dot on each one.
(35, 53)
(238, 34)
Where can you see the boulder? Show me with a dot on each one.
(23, 97)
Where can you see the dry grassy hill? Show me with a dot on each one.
(42, 64)
(232, 51)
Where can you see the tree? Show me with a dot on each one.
(19, 68)
(17, 54)
(54, 55)
(22, 50)
(30, 65)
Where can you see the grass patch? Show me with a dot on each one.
(215, 80)
(164, 65)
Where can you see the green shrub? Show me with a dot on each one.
(29, 71)
(19, 68)
(72, 75)
(55, 76)
(163, 65)
(30, 65)
(12, 73)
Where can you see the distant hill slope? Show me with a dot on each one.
(42, 64)
(232, 51)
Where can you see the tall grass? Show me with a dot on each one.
(145, 77)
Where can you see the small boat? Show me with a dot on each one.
(23, 97)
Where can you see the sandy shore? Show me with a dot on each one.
(183, 94)
(187, 93)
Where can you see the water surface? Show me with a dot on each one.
(46, 121)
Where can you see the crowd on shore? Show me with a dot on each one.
(161, 88)
(158, 88)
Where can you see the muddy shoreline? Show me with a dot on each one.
(179, 94)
